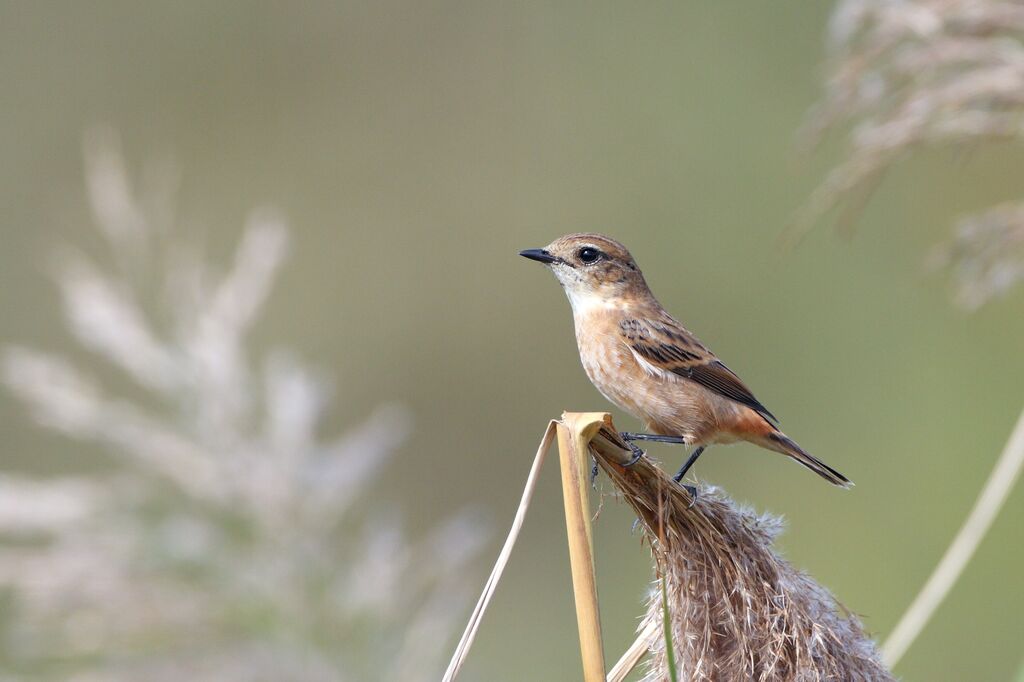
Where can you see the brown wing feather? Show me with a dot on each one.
(668, 346)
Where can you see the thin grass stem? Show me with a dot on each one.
(965, 544)
(636, 651)
(462, 650)
(666, 624)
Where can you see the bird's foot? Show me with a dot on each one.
(637, 454)
(593, 472)
(691, 490)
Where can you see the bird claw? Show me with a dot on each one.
(692, 492)
(637, 454)
(593, 472)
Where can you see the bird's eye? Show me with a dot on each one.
(588, 254)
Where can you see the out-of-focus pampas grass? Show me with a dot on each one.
(903, 76)
(232, 541)
(737, 610)
(986, 254)
(914, 74)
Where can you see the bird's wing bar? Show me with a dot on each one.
(668, 347)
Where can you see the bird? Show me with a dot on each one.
(644, 361)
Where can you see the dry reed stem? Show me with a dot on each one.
(574, 433)
(636, 651)
(738, 610)
(462, 650)
(986, 508)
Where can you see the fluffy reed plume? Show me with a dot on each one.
(227, 540)
(738, 611)
(927, 73)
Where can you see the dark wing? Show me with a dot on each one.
(721, 379)
(668, 346)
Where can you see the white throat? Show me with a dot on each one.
(585, 302)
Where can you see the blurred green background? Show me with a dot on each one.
(416, 147)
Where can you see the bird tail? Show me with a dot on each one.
(779, 442)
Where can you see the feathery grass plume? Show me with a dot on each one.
(229, 540)
(932, 73)
(738, 611)
(986, 254)
(903, 76)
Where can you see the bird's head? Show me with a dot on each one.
(593, 269)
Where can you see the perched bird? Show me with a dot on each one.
(643, 360)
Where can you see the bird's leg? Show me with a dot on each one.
(676, 440)
(689, 463)
(637, 452)
(682, 472)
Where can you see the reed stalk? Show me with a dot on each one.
(575, 431)
(990, 500)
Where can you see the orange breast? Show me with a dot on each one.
(668, 405)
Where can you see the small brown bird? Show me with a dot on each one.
(643, 360)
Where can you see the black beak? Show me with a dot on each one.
(538, 255)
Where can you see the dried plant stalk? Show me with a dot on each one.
(574, 433)
(635, 653)
(738, 610)
(462, 650)
(990, 501)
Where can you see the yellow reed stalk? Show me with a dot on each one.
(575, 432)
(990, 500)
